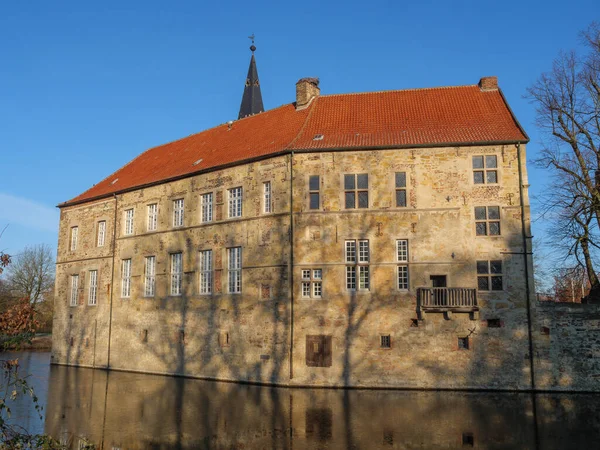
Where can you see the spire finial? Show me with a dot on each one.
(252, 47)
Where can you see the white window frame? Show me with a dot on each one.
(402, 272)
(74, 289)
(235, 198)
(176, 288)
(101, 235)
(234, 270)
(206, 272)
(74, 238)
(150, 276)
(358, 258)
(178, 212)
(312, 283)
(267, 196)
(128, 231)
(93, 288)
(126, 278)
(206, 207)
(152, 224)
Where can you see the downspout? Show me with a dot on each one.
(291, 277)
(112, 280)
(526, 261)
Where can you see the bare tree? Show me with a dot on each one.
(567, 103)
(31, 273)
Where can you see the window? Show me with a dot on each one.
(312, 283)
(129, 221)
(126, 278)
(463, 343)
(206, 207)
(267, 197)
(234, 264)
(485, 169)
(206, 272)
(314, 187)
(74, 236)
(176, 273)
(150, 276)
(178, 212)
(386, 341)
(356, 186)
(101, 235)
(401, 189)
(360, 265)
(152, 217)
(74, 287)
(402, 257)
(93, 288)
(489, 275)
(487, 220)
(235, 202)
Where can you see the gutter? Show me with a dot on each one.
(112, 281)
(291, 277)
(526, 261)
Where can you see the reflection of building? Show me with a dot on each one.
(372, 239)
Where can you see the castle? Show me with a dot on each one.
(376, 239)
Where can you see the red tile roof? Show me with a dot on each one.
(462, 115)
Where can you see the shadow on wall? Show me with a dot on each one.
(124, 410)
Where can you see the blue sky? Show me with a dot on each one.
(87, 86)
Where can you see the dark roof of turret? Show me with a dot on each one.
(252, 99)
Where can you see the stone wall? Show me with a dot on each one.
(439, 225)
(566, 340)
(248, 336)
(222, 335)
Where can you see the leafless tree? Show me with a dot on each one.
(567, 103)
(31, 273)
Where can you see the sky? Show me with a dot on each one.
(87, 86)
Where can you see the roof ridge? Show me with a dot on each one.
(400, 90)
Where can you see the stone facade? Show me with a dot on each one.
(272, 330)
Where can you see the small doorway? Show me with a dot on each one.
(439, 295)
(438, 281)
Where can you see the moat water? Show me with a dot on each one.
(116, 410)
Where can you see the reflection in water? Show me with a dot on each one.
(36, 367)
(134, 411)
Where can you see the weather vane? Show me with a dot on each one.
(252, 47)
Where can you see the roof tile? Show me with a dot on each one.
(420, 117)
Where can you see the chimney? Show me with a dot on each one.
(306, 90)
(488, 84)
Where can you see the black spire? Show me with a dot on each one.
(252, 99)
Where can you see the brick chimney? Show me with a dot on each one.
(306, 90)
(488, 84)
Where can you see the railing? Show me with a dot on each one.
(447, 299)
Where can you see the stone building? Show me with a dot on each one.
(366, 239)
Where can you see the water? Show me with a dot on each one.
(118, 410)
